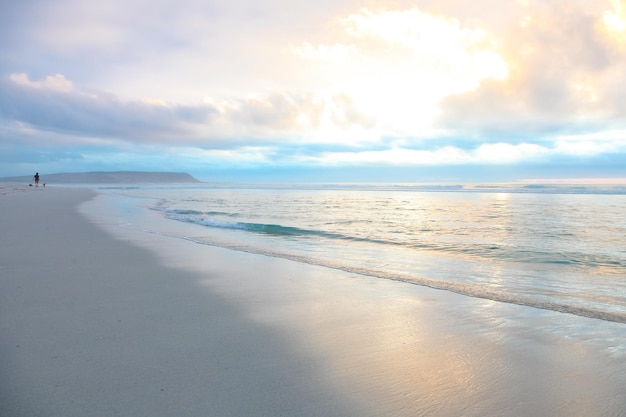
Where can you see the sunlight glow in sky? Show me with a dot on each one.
(415, 91)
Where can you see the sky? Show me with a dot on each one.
(333, 91)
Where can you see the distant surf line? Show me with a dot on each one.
(483, 251)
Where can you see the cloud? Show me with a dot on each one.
(566, 63)
(54, 105)
(396, 64)
(186, 49)
(490, 154)
(52, 82)
(442, 43)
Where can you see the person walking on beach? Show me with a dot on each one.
(36, 178)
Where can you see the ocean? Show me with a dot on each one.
(549, 247)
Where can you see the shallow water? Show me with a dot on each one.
(560, 248)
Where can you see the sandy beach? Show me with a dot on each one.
(102, 320)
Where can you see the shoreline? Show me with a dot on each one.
(94, 326)
(98, 319)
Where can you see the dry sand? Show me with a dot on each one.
(101, 320)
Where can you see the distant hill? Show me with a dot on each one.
(115, 177)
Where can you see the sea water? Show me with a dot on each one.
(558, 248)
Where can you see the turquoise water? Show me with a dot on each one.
(554, 248)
